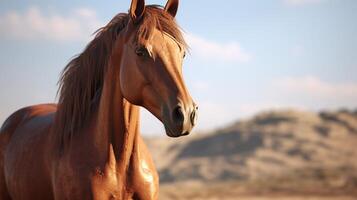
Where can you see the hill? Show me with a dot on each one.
(282, 151)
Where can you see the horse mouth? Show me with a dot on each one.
(173, 134)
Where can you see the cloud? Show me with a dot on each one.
(301, 93)
(211, 50)
(34, 24)
(314, 86)
(301, 2)
(312, 92)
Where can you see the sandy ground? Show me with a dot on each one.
(278, 198)
(224, 191)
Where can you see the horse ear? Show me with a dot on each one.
(171, 7)
(137, 10)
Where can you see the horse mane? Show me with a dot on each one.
(82, 79)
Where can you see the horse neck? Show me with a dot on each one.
(117, 119)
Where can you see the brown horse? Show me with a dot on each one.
(88, 146)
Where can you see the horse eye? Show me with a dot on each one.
(142, 52)
(184, 54)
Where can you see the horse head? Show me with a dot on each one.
(152, 50)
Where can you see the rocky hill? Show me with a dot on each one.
(284, 149)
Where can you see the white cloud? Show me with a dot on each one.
(301, 2)
(312, 92)
(298, 93)
(314, 86)
(35, 24)
(211, 50)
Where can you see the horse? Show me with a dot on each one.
(88, 145)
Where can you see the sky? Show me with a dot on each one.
(245, 56)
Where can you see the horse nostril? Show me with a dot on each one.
(177, 115)
(185, 133)
(193, 117)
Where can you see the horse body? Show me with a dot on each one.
(24, 161)
(35, 169)
(88, 146)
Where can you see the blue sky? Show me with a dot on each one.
(246, 56)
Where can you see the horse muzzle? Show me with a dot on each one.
(181, 120)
